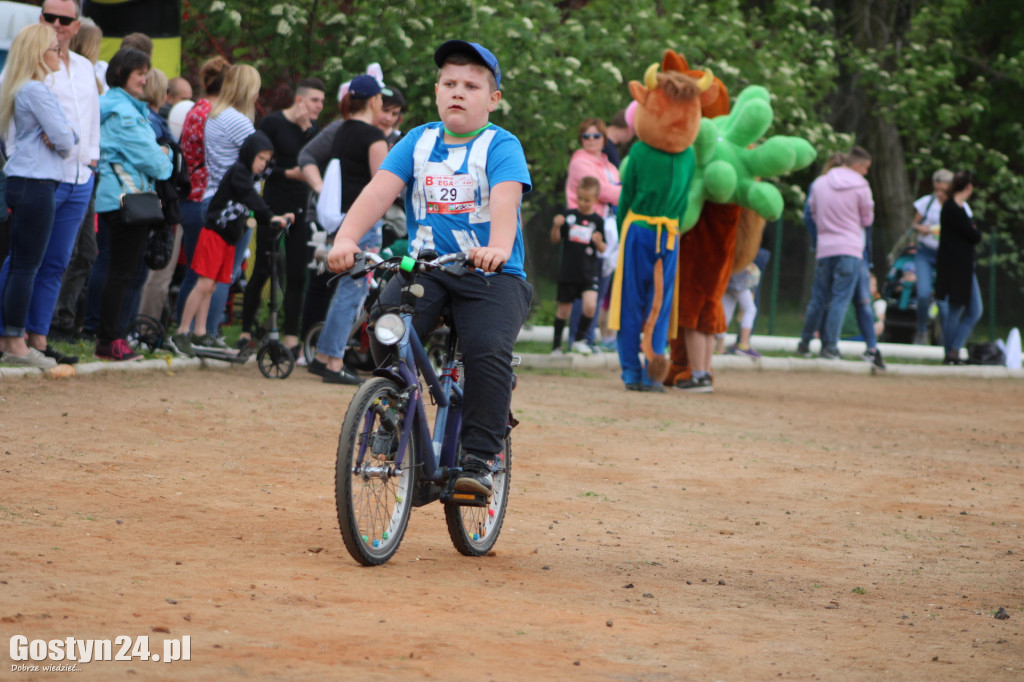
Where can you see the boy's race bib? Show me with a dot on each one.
(450, 194)
(581, 234)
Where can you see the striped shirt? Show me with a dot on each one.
(224, 137)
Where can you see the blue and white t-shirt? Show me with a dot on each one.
(224, 136)
(447, 204)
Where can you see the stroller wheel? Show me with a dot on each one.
(145, 333)
(275, 360)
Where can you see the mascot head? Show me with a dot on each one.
(669, 103)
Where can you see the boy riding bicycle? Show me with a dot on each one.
(466, 180)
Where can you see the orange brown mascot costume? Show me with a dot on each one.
(656, 183)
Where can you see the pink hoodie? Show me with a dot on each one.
(842, 207)
(583, 164)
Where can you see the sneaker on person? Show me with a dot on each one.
(556, 352)
(803, 349)
(921, 338)
(59, 357)
(580, 347)
(117, 350)
(874, 356)
(830, 354)
(182, 345)
(740, 350)
(696, 385)
(207, 342)
(34, 358)
(475, 477)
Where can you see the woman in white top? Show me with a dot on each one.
(43, 139)
(926, 223)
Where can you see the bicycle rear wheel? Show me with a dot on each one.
(372, 496)
(474, 530)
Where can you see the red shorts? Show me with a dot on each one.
(214, 257)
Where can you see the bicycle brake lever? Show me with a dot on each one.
(460, 267)
(359, 267)
(465, 267)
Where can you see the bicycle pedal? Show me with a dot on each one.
(464, 499)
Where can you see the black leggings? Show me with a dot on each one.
(127, 248)
(297, 256)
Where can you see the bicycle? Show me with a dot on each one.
(389, 459)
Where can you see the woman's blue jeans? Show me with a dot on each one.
(32, 202)
(924, 270)
(959, 320)
(345, 304)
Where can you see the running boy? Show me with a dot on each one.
(466, 180)
(580, 231)
(226, 219)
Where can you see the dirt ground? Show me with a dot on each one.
(790, 526)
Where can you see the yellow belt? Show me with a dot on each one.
(659, 223)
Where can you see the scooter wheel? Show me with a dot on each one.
(275, 361)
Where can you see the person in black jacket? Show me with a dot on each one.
(236, 202)
(955, 280)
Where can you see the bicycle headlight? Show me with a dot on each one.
(389, 329)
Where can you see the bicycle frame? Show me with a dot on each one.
(446, 393)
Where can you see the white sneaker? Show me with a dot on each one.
(556, 353)
(580, 347)
(34, 358)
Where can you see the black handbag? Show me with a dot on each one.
(160, 246)
(138, 209)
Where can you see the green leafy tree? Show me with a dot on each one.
(919, 84)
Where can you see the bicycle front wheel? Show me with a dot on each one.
(474, 530)
(373, 495)
(310, 343)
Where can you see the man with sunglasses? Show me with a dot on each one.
(74, 84)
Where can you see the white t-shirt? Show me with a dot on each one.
(930, 207)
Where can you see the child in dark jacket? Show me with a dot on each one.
(236, 202)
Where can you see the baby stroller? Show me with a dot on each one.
(899, 289)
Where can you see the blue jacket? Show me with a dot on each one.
(127, 138)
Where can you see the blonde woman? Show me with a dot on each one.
(154, 94)
(87, 43)
(42, 139)
(230, 122)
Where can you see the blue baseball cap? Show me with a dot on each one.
(364, 87)
(473, 48)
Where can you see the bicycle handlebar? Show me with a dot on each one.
(456, 264)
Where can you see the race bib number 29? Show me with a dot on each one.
(450, 194)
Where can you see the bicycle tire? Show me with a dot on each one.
(310, 343)
(475, 530)
(373, 504)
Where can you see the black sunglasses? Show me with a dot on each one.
(54, 18)
(591, 136)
